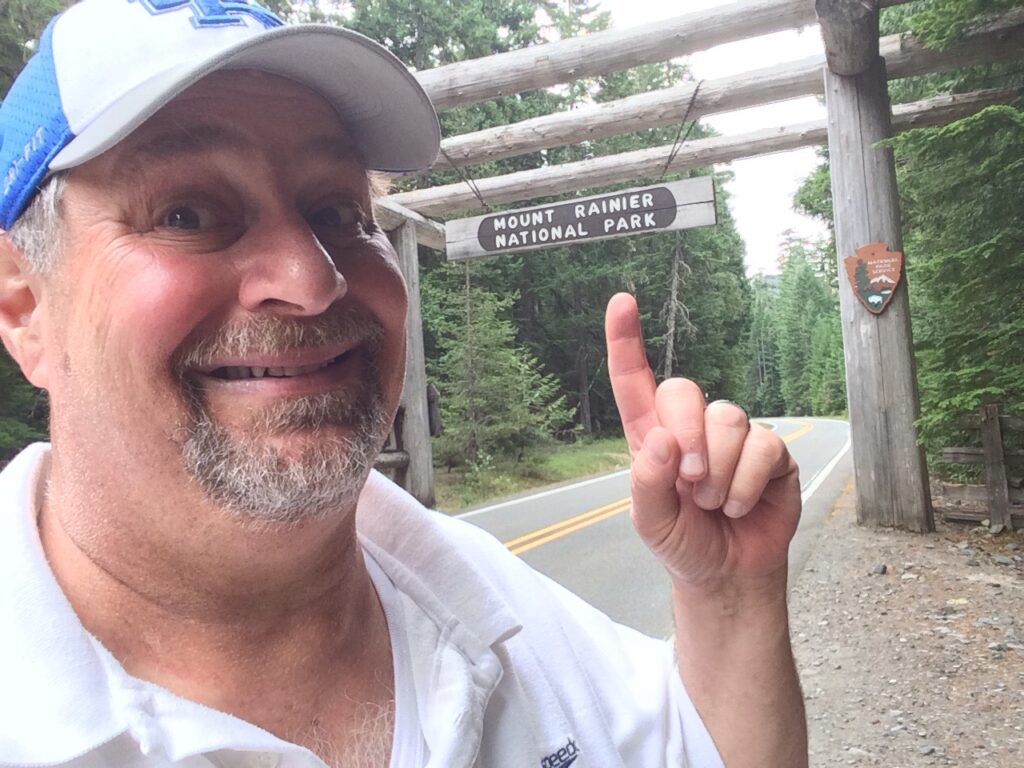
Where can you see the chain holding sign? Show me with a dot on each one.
(874, 272)
(666, 207)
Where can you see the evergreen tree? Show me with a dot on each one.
(826, 367)
(804, 300)
(960, 194)
(495, 400)
(763, 395)
(961, 186)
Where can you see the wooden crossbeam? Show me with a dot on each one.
(390, 215)
(1000, 39)
(649, 163)
(541, 66)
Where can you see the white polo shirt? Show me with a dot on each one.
(495, 665)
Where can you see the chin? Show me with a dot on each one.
(307, 468)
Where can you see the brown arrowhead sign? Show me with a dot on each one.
(874, 273)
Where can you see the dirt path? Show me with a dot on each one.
(922, 665)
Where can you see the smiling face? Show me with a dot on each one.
(224, 314)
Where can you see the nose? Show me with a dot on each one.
(289, 271)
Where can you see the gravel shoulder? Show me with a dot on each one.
(922, 665)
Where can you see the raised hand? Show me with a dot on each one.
(716, 500)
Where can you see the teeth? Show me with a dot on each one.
(258, 372)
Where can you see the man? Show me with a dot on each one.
(191, 270)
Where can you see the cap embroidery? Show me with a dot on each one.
(214, 13)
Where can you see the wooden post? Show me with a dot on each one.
(995, 470)
(415, 438)
(889, 466)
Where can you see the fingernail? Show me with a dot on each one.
(656, 448)
(733, 508)
(692, 465)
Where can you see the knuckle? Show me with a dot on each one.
(766, 446)
(679, 387)
(726, 414)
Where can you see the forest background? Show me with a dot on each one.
(514, 344)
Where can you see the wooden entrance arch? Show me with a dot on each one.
(890, 470)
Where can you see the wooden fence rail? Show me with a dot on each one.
(1001, 492)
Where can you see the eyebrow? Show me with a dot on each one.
(179, 142)
(175, 143)
(337, 147)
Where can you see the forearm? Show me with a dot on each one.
(736, 662)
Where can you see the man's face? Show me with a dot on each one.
(223, 309)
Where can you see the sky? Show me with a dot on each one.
(763, 188)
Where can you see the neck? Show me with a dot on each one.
(247, 620)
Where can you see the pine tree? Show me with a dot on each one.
(803, 300)
(960, 194)
(763, 396)
(495, 399)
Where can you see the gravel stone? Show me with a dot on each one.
(911, 672)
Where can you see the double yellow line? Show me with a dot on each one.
(543, 535)
(554, 531)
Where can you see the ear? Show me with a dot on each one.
(22, 313)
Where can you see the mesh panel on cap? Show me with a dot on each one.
(34, 130)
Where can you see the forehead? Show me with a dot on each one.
(239, 111)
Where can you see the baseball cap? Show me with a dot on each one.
(103, 67)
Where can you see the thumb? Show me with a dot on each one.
(653, 480)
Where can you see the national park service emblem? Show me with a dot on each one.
(874, 273)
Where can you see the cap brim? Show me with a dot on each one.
(388, 114)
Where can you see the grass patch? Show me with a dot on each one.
(463, 487)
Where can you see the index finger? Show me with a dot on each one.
(632, 379)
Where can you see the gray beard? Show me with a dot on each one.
(251, 479)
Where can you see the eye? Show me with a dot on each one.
(186, 217)
(337, 216)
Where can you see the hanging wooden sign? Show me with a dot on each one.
(675, 205)
(874, 272)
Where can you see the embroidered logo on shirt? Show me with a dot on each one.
(563, 758)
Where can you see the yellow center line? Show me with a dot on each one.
(528, 541)
(542, 535)
(805, 427)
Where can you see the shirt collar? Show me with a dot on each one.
(430, 557)
(62, 694)
(53, 680)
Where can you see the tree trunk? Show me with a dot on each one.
(473, 415)
(670, 320)
(583, 387)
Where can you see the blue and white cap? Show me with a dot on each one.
(104, 66)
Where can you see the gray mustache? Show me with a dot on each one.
(269, 334)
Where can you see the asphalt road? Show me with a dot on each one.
(580, 534)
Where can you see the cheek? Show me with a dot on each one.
(376, 283)
(137, 312)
